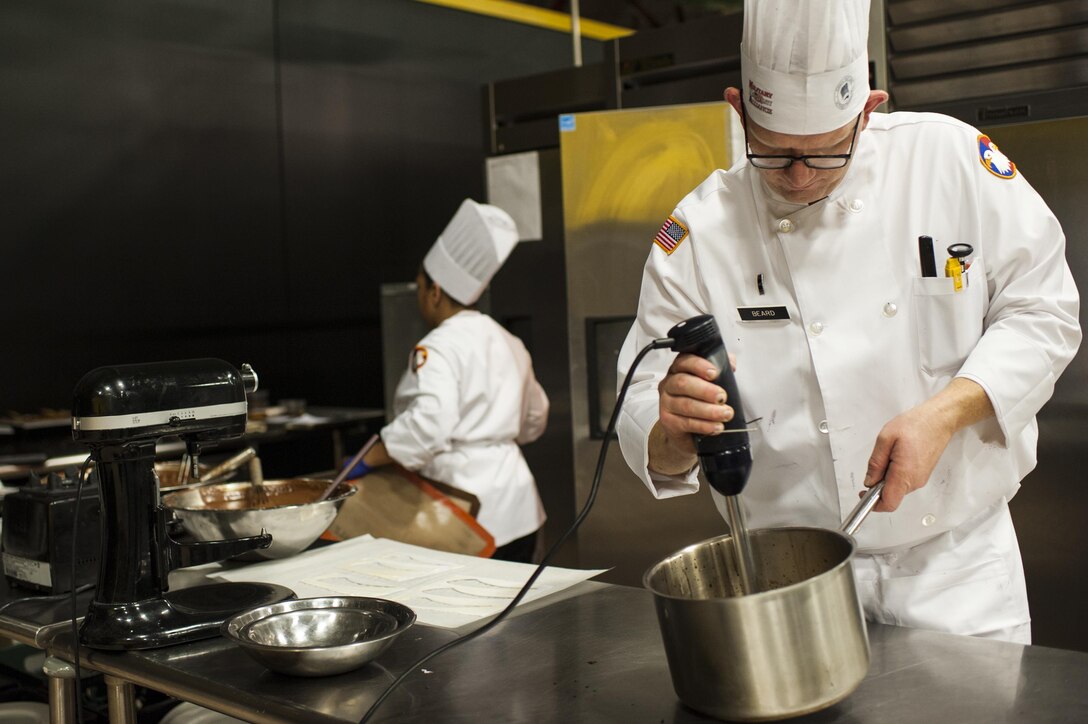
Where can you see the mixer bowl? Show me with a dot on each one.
(287, 509)
(319, 636)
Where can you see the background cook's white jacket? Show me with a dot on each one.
(867, 338)
(461, 415)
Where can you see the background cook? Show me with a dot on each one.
(469, 397)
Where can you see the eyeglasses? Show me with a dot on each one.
(820, 162)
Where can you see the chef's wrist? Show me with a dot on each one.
(962, 403)
(359, 470)
(668, 454)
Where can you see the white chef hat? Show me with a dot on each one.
(804, 63)
(470, 250)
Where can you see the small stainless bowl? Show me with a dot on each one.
(319, 636)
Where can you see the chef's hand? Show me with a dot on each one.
(906, 451)
(909, 446)
(688, 403)
(360, 469)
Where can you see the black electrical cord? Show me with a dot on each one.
(38, 599)
(75, 606)
(662, 343)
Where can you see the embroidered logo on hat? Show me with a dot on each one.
(671, 234)
(418, 358)
(993, 160)
(760, 98)
(844, 92)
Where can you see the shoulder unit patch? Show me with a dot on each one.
(993, 160)
(671, 234)
(418, 358)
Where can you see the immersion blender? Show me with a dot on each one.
(725, 458)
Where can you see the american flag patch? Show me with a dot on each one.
(671, 234)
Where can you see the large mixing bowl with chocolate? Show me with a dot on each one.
(287, 509)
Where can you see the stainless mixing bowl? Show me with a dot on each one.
(319, 636)
(288, 509)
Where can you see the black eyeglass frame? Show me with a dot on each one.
(844, 157)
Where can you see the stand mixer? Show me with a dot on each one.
(120, 412)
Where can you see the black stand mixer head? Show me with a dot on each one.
(120, 412)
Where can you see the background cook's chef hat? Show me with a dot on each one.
(805, 63)
(470, 250)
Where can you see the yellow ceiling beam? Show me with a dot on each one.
(537, 17)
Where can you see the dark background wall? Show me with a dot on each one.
(188, 178)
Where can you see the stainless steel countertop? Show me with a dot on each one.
(598, 657)
(33, 618)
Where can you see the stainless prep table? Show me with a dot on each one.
(598, 657)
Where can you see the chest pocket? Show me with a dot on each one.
(948, 323)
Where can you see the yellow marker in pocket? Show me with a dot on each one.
(954, 269)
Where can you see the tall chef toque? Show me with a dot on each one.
(804, 63)
(470, 250)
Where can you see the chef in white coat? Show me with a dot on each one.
(469, 397)
(854, 365)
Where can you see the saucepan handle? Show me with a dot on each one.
(870, 499)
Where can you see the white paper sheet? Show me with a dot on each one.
(447, 590)
(513, 184)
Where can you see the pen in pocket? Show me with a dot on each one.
(925, 256)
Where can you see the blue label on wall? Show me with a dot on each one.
(566, 122)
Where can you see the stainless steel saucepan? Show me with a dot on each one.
(796, 646)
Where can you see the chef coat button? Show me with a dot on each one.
(857, 205)
(785, 226)
(823, 426)
(890, 309)
(928, 519)
(816, 328)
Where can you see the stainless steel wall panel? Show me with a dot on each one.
(696, 89)
(1020, 108)
(1051, 75)
(560, 91)
(680, 45)
(941, 55)
(677, 64)
(903, 12)
(1023, 19)
(1021, 49)
(527, 135)
(523, 111)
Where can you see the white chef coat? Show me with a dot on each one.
(467, 400)
(866, 337)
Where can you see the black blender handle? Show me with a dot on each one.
(728, 382)
(700, 336)
(725, 458)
